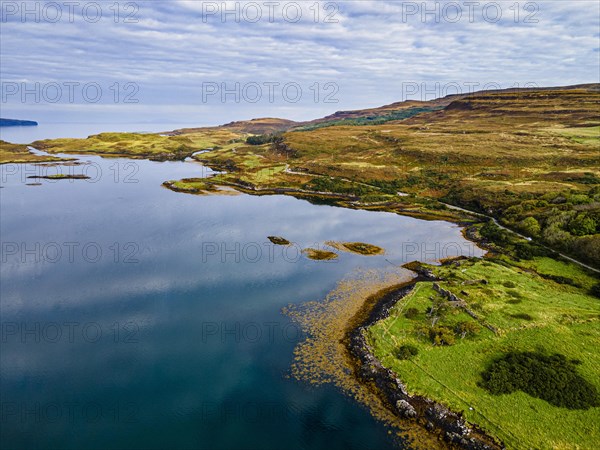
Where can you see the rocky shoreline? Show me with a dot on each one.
(432, 416)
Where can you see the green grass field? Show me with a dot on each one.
(528, 313)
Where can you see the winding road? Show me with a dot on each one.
(520, 235)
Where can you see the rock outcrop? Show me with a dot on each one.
(431, 415)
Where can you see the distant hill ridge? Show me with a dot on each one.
(394, 111)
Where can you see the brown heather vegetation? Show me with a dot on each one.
(530, 158)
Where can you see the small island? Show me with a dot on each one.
(278, 240)
(60, 176)
(319, 255)
(360, 248)
(17, 123)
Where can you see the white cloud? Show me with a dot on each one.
(369, 51)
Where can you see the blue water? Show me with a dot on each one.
(136, 317)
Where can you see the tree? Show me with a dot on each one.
(582, 225)
(555, 236)
(261, 139)
(407, 352)
(530, 226)
(588, 248)
(441, 336)
(552, 378)
(494, 233)
(467, 328)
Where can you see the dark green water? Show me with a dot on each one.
(136, 317)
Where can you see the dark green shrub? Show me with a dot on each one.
(467, 328)
(595, 290)
(440, 335)
(523, 316)
(494, 233)
(388, 187)
(407, 352)
(411, 313)
(552, 378)
(582, 225)
(509, 284)
(524, 251)
(560, 279)
(263, 139)
(514, 294)
(527, 250)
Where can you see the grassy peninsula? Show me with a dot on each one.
(441, 349)
(17, 153)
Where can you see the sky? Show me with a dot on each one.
(207, 63)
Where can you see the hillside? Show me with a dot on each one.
(531, 159)
(254, 126)
(528, 157)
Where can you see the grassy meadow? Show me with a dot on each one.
(517, 309)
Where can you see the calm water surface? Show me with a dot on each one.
(136, 317)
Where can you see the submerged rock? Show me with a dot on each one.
(278, 240)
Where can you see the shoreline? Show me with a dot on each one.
(333, 199)
(432, 417)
